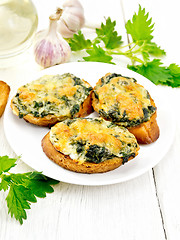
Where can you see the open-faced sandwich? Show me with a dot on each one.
(89, 145)
(53, 98)
(4, 94)
(123, 101)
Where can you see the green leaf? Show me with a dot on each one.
(145, 56)
(150, 48)
(5, 183)
(175, 73)
(24, 188)
(154, 72)
(18, 178)
(35, 181)
(97, 54)
(39, 184)
(18, 200)
(112, 41)
(6, 163)
(153, 49)
(78, 42)
(174, 70)
(40, 176)
(106, 29)
(39, 188)
(141, 26)
(108, 34)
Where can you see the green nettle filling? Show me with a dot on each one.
(98, 153)
(114, 113)
(115, 116)
(74, 110)
(67, 106)
(93, 153)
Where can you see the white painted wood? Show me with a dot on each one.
(166, 17)
(122, 211)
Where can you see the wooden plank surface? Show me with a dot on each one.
(143, 208)
(166, 174)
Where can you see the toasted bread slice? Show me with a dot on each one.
(53, 98)
(146, 132)
(126, 103)
(92, 145)
(4, 94)
(87, 167)
(50, 120)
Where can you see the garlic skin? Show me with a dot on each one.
(72, 18)
(50, 48)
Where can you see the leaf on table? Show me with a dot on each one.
(174, 69)
(141, 26)
(40, 176)
(175, 72)
(153, 49)
(35, 181)
(154, 72)
(18, 200)
(6, 163)
(150, 48)
(145, 56)
(5, 182)
(108, 34)
(78, 42)
(40, 184)
(24, 188)
(97, 54)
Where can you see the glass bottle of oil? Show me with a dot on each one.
(18, 23)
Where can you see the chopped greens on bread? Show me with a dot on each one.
(123, 101)
(53, 97)
(89, 142)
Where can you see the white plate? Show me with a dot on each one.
(25, 138)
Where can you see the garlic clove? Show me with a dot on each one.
(50, 48)
(72, 3)
(48, 53)
(72, 18)
(64, 30)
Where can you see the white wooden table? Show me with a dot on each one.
(147, 207)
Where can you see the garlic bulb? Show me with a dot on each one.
(50, 48)
(72, 18)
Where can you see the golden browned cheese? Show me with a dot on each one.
(125, 102)
(4, 94)
(89, 145)
(53, 98)
(86, 167)
(79, 138)
(122, 100)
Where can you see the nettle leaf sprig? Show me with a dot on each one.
(23, 188)
(144, 54)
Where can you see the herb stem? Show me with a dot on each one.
(127, 45)
(130, 50)
(127, 54)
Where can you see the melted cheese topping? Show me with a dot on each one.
(59, 95)
(122, 100)
(94, 140)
